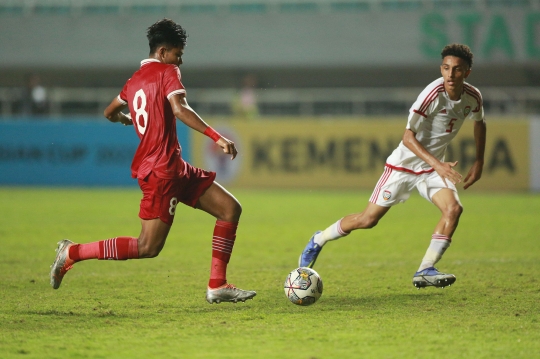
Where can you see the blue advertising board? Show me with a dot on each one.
(89, 152)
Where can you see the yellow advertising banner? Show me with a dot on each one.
(339, 154)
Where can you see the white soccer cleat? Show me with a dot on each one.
(61, 264)
(431, 277)
(228, 293)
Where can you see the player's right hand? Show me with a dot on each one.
(125, 119)
(227, 146)
(447, 172)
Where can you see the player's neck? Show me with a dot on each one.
(155, 57)
(454, 94)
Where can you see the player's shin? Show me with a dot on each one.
(222, 246)
(437, 247)
(118, 248)
(331, 233)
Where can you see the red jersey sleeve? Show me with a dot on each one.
(173, 81)
(122, 97)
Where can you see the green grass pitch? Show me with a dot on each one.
(155, 308)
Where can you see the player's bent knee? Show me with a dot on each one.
(236, 210)
(149, 252)
(454, 211)
(149, 249)
(232, 213)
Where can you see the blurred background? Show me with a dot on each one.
(336, 67)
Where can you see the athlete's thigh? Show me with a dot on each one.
(159, 199)
(431, 184)
(446, 198)
(220, 203)
(153, 233)
(193, 184)
(394, 187)
(156, 214)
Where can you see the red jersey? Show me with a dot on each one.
(147, 94)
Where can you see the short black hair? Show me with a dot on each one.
(458, 50)
(167, 33)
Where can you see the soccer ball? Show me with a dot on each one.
(303, 286)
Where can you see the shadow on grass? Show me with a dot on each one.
(383, 302)
(148, 311)
(71, 313)
(394, 300)
(272, 304)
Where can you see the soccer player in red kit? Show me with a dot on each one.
(156, 97)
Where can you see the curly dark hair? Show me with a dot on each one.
(167, 33)
(458, 50)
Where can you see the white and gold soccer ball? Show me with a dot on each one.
(303, 286)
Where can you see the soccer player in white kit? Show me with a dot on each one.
(434, 120)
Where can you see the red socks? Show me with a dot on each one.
(122, 248)
(119, 248)
(222, 246)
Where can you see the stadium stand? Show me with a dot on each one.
(343, 80)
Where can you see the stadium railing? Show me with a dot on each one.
(278, 102)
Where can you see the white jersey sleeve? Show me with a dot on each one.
(426, 102)
(477, 114)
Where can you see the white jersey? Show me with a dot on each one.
(436, 120)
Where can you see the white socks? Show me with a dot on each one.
(439, 244)
(329, 234)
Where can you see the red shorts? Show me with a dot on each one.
(160, 196)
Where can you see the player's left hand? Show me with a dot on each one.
(228, 147)
(474, 174)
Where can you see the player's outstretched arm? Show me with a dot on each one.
(114, 113)
(480, 139)
(444, 169)
(187, 115)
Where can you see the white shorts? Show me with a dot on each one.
(395, 186)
